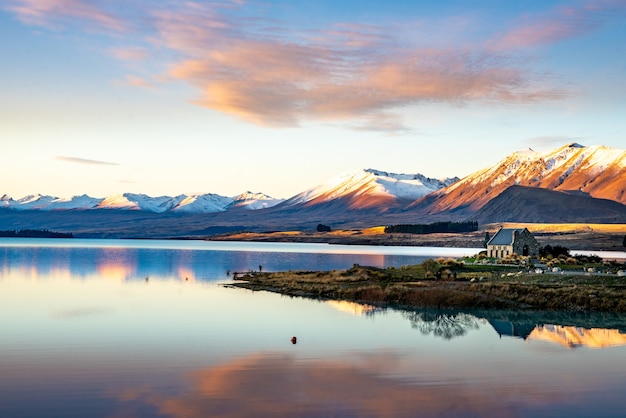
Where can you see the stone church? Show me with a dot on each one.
(508, 241)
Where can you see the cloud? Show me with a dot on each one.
(52, 13)
(78, 160)
(387, 123)
(263, 71)
(562, 23)
(337, 75)
(130, 54)
(136, 81)
(79, 312)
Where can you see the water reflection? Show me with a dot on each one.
(353, 308)
(283, 385)
(83, 334)
(129, 264)
(446, 326)
(572, 337)
(525, 325)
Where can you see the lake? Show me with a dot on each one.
(110, 328)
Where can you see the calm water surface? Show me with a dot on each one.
(147, 329)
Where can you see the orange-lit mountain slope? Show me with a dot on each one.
(599, 171)
(369, 189)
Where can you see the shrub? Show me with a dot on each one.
(323, 228)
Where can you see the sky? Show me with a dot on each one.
(277, 96)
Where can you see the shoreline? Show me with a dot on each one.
(412, 287)
(600, 237)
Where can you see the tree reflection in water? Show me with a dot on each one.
(446, 326)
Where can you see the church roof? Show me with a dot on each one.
(504, 236)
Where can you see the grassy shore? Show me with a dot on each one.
(477, 287)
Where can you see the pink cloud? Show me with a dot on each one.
(130, 54)
(49, 13)
(349, 72)
(136, 81)
(562, 23)
(261, 71)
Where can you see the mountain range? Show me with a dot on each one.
(573, 183)
(195, 203)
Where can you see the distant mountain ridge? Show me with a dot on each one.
(365, 188)
(574, 184)
(196, 203)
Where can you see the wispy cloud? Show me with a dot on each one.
(78, 160)
(54, 13)
(387, 123)
(136, 81)
(560, 24)
(79, 312)
(337, 75)
(129, 54)
(262, 71)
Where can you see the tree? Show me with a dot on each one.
(323, 228)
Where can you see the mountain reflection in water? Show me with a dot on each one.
(573, 337)
(457, 324)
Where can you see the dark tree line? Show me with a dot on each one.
(435, 227)
(34, 233)
(554, 251)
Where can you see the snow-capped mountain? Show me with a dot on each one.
(196, 203)
(364, 189)
(370, 188)
(203, 203)
(40, 202)
(76, 202)
(143, 202)
(598, 171)
(255, 201)
(573, 183)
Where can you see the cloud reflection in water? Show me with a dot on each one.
(279, 385)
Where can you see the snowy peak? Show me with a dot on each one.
(81, 202)
(203, 203)
(254, 201)
(119, 201)
(597, 170)
(366, 188)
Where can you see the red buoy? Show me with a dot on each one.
(294, 340)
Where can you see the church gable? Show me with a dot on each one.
(509, 241)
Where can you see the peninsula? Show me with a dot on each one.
(453, 284)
